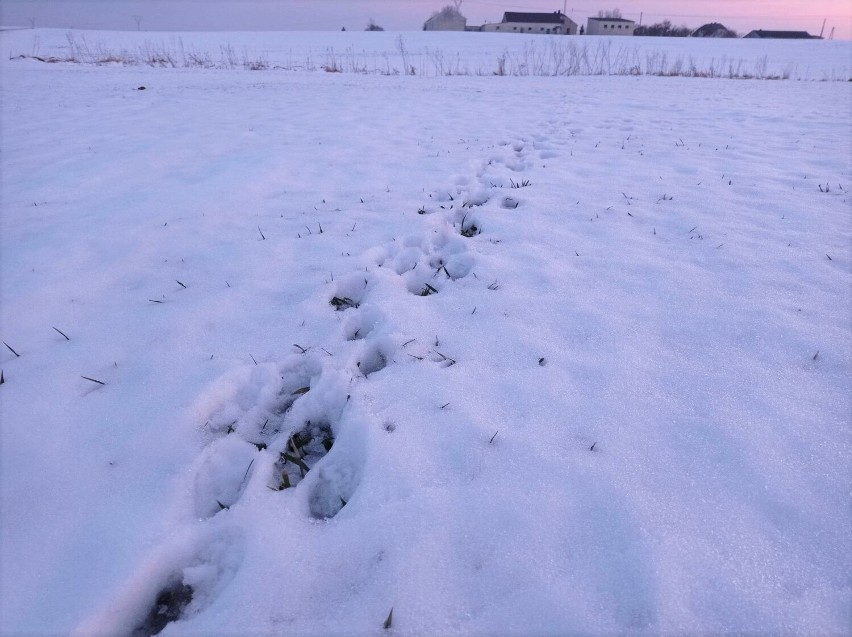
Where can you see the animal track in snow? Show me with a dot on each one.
(284, 426)
(222, 475)
(359, 326)
(375, 356)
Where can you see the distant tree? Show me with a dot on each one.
(663, 29)
(610, 14)
(450, 11)
(372, 26)
(714, 30)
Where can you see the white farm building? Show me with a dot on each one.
(448, 19)
(610, 26)
(540, 23)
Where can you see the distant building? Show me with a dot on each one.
(782, 35)
(610, 26)
(540, 23)
(448, 19)
(713, 30)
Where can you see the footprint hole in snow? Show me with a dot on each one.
(222, 475)
(510, 203)
(407, 260)
(469, 226)
(349, 292)
(335, 484)
(304, 449)
(168, 606)
(459, 266)
(374, 358)
(360, 325)
(294, 385)
(436, 262)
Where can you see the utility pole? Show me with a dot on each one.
(822, 30)
(831, 35)
(640, 18)
(138, 19)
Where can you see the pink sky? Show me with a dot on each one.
(741, 15)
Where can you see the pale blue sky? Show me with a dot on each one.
(742, 15)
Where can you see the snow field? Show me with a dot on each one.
(434, 54)
(561, 356)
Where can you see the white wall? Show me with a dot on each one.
(610, 27)
(438, 23)
(529, 27)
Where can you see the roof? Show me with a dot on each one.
(787, 35)
(613, 19)
(547, 18)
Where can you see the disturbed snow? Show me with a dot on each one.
(559, 355)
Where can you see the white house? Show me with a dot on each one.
(539, 23)
(446, 20)
(610, 26)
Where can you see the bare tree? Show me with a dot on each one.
(32, 23)
(451, 11)
(372, 26)
(610, 14)
(138, 20)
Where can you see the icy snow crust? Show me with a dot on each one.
(580, 350)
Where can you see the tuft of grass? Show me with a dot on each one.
(519, 184)
(2, 377)
(9, 347)
(428, 290)
(262, 236)
(445, 359)
(389, 621)
(340, 303)
(494, 436)
(296, 460)
(470, 231)
(63, 333)
(94, 380)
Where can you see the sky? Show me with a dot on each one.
(406, 15)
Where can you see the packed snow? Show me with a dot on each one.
(284, 350)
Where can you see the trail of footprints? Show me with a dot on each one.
(278, 427)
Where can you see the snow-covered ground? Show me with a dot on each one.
(579, 347)
(435, 54)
